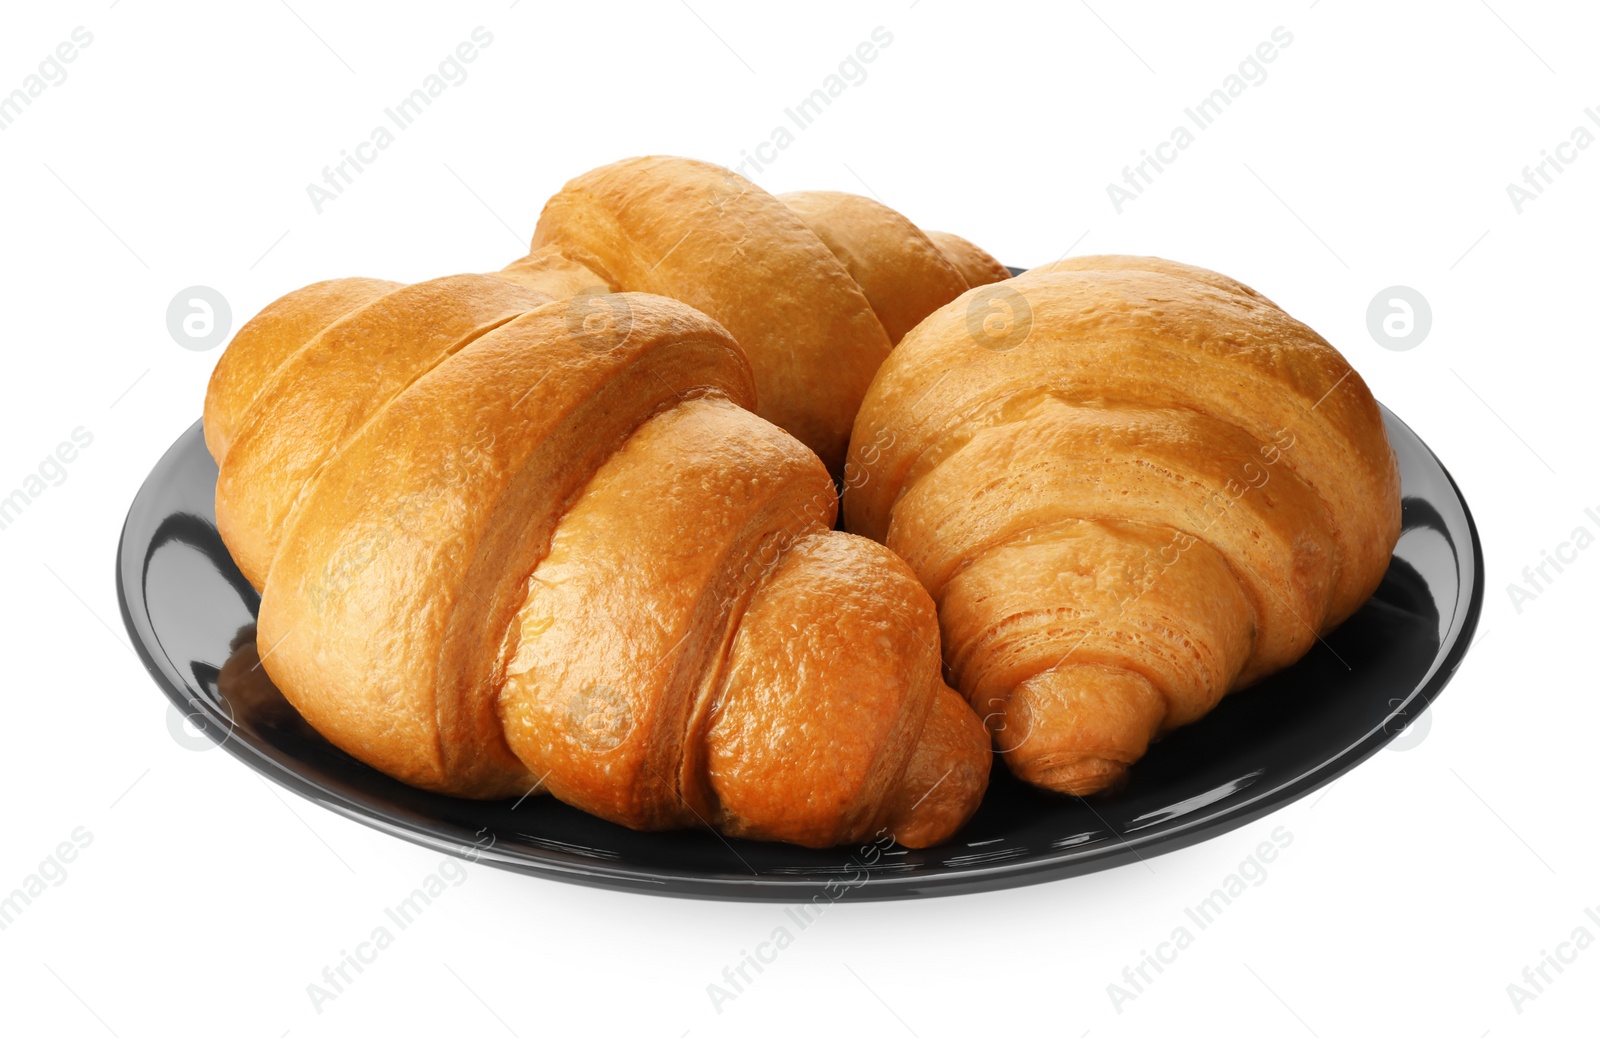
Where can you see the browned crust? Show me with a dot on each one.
(1100, 391)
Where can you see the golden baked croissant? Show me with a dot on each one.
(816, 286)
(504, 545)
(1131, 486)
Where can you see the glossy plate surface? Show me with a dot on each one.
(191, 615)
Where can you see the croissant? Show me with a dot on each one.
(1131, 486)
(816, 286)
(503, 546)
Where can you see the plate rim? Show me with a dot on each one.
(1062, 864)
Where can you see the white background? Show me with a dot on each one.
(1376, 153)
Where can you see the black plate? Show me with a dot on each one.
(188, 609)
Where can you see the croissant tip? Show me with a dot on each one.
(1080, 777)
